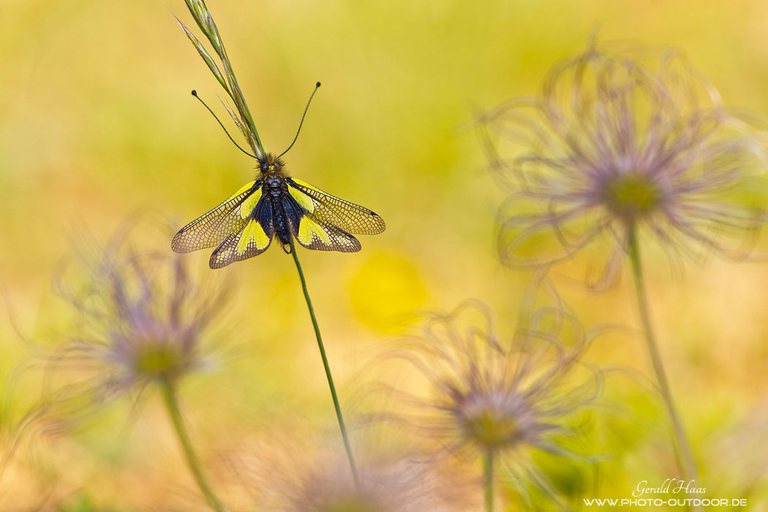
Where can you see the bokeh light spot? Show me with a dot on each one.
(387, 291)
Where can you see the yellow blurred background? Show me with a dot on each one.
(97, 124)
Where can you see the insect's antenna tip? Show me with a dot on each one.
(198, 98)
(301, 123)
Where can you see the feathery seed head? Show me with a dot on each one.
(144, 320)
(509, 398)
(614, 146)
(154, 332)
(303, 474)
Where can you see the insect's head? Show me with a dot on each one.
(270, 163)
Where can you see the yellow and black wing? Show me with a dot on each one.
(215, 226)
(255, 237)
(314, 233)
(328, 209)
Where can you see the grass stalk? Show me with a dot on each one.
(326, 365)
(193, 462)
(488, 480)
(682, 446)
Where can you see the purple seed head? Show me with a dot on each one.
(614, 145)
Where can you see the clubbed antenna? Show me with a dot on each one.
(301, 123)
(194, 93)
(226, 77)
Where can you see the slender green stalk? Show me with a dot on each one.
(488, 480)
(328, 375)
(227, 79)
(683, 452)
(193, 462)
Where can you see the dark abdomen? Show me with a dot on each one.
(282, 229)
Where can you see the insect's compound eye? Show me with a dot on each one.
(278, 165)
(265, 167)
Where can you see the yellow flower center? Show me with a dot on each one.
(492, 420)
(349, 505)
(158, 360)
(490, 429)
(632, 195)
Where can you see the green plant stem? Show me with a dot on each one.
(683, 452)
(488, 480)
(193, 462)
(326, 365)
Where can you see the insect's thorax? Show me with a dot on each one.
(274, 185)
(274, 189)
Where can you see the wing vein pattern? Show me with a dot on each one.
(213, 227)
(328, 209)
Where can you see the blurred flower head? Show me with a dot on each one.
(154, 335)
(142, 318)
(302, 473)
(614, 147)
(509, 398)
(385, 486)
